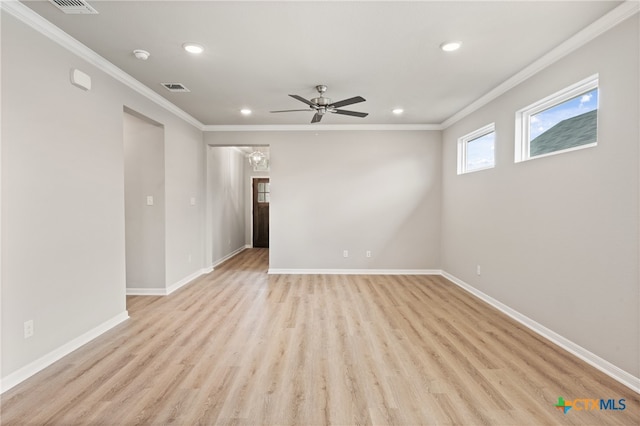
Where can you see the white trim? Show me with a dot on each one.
(463, 143)
(316, 127)
(155, 291)
(583, 86)
(560, 151)
(230, 255)
(605, 23)
(276, 271)
(186, 280)
(590, 358)
(46, 28)
(142, 291)
(522, 150)
(43, 362)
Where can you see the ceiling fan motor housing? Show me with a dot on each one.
(321, 101)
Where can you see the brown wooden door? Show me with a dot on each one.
(261, 199)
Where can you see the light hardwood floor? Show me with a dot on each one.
(238, 346)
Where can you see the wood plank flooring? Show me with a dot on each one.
(241, 347)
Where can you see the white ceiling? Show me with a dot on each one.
(388, 52)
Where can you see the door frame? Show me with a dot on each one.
(250, 204)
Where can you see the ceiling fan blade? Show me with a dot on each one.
(301, 99)
(316, 118)
(353, 113)
(293, 110)
(346, 102)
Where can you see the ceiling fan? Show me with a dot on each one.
(322, 105)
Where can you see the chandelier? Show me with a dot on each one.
(258, 159)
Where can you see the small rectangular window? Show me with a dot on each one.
(476, 151)
(562, 122)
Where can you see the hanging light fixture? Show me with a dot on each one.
(257, 158)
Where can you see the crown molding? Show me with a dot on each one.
(46, 28)
(38, 23)
(598, 27)
(318, 127)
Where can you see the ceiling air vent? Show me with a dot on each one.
(74, 7)
(175, 87)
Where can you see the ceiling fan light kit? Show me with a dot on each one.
(322, 105)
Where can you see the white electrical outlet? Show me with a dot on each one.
(345, 253)
(189, 258)
(149, 200)
(28, 329)
(368, 254)
(478, 271)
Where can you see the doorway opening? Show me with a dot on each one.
(230, 201)
(144, 190)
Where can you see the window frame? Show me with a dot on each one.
(463, 143)
(523, 118)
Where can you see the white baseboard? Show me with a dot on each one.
(276, 271)
(159, 291)
(41, 363)
(186, 280)
(142, 291)
(230, 255)
(590, 358)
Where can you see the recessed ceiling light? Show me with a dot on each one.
(245, 111)
(450, 46)
(398, 111)
(194, 48)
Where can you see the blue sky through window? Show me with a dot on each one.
(480, 152)
(544, 120)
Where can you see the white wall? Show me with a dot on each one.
(226, 198)
(185, 178)
(358, 191)
(557, 237)
(63, 226)
(144, 224)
